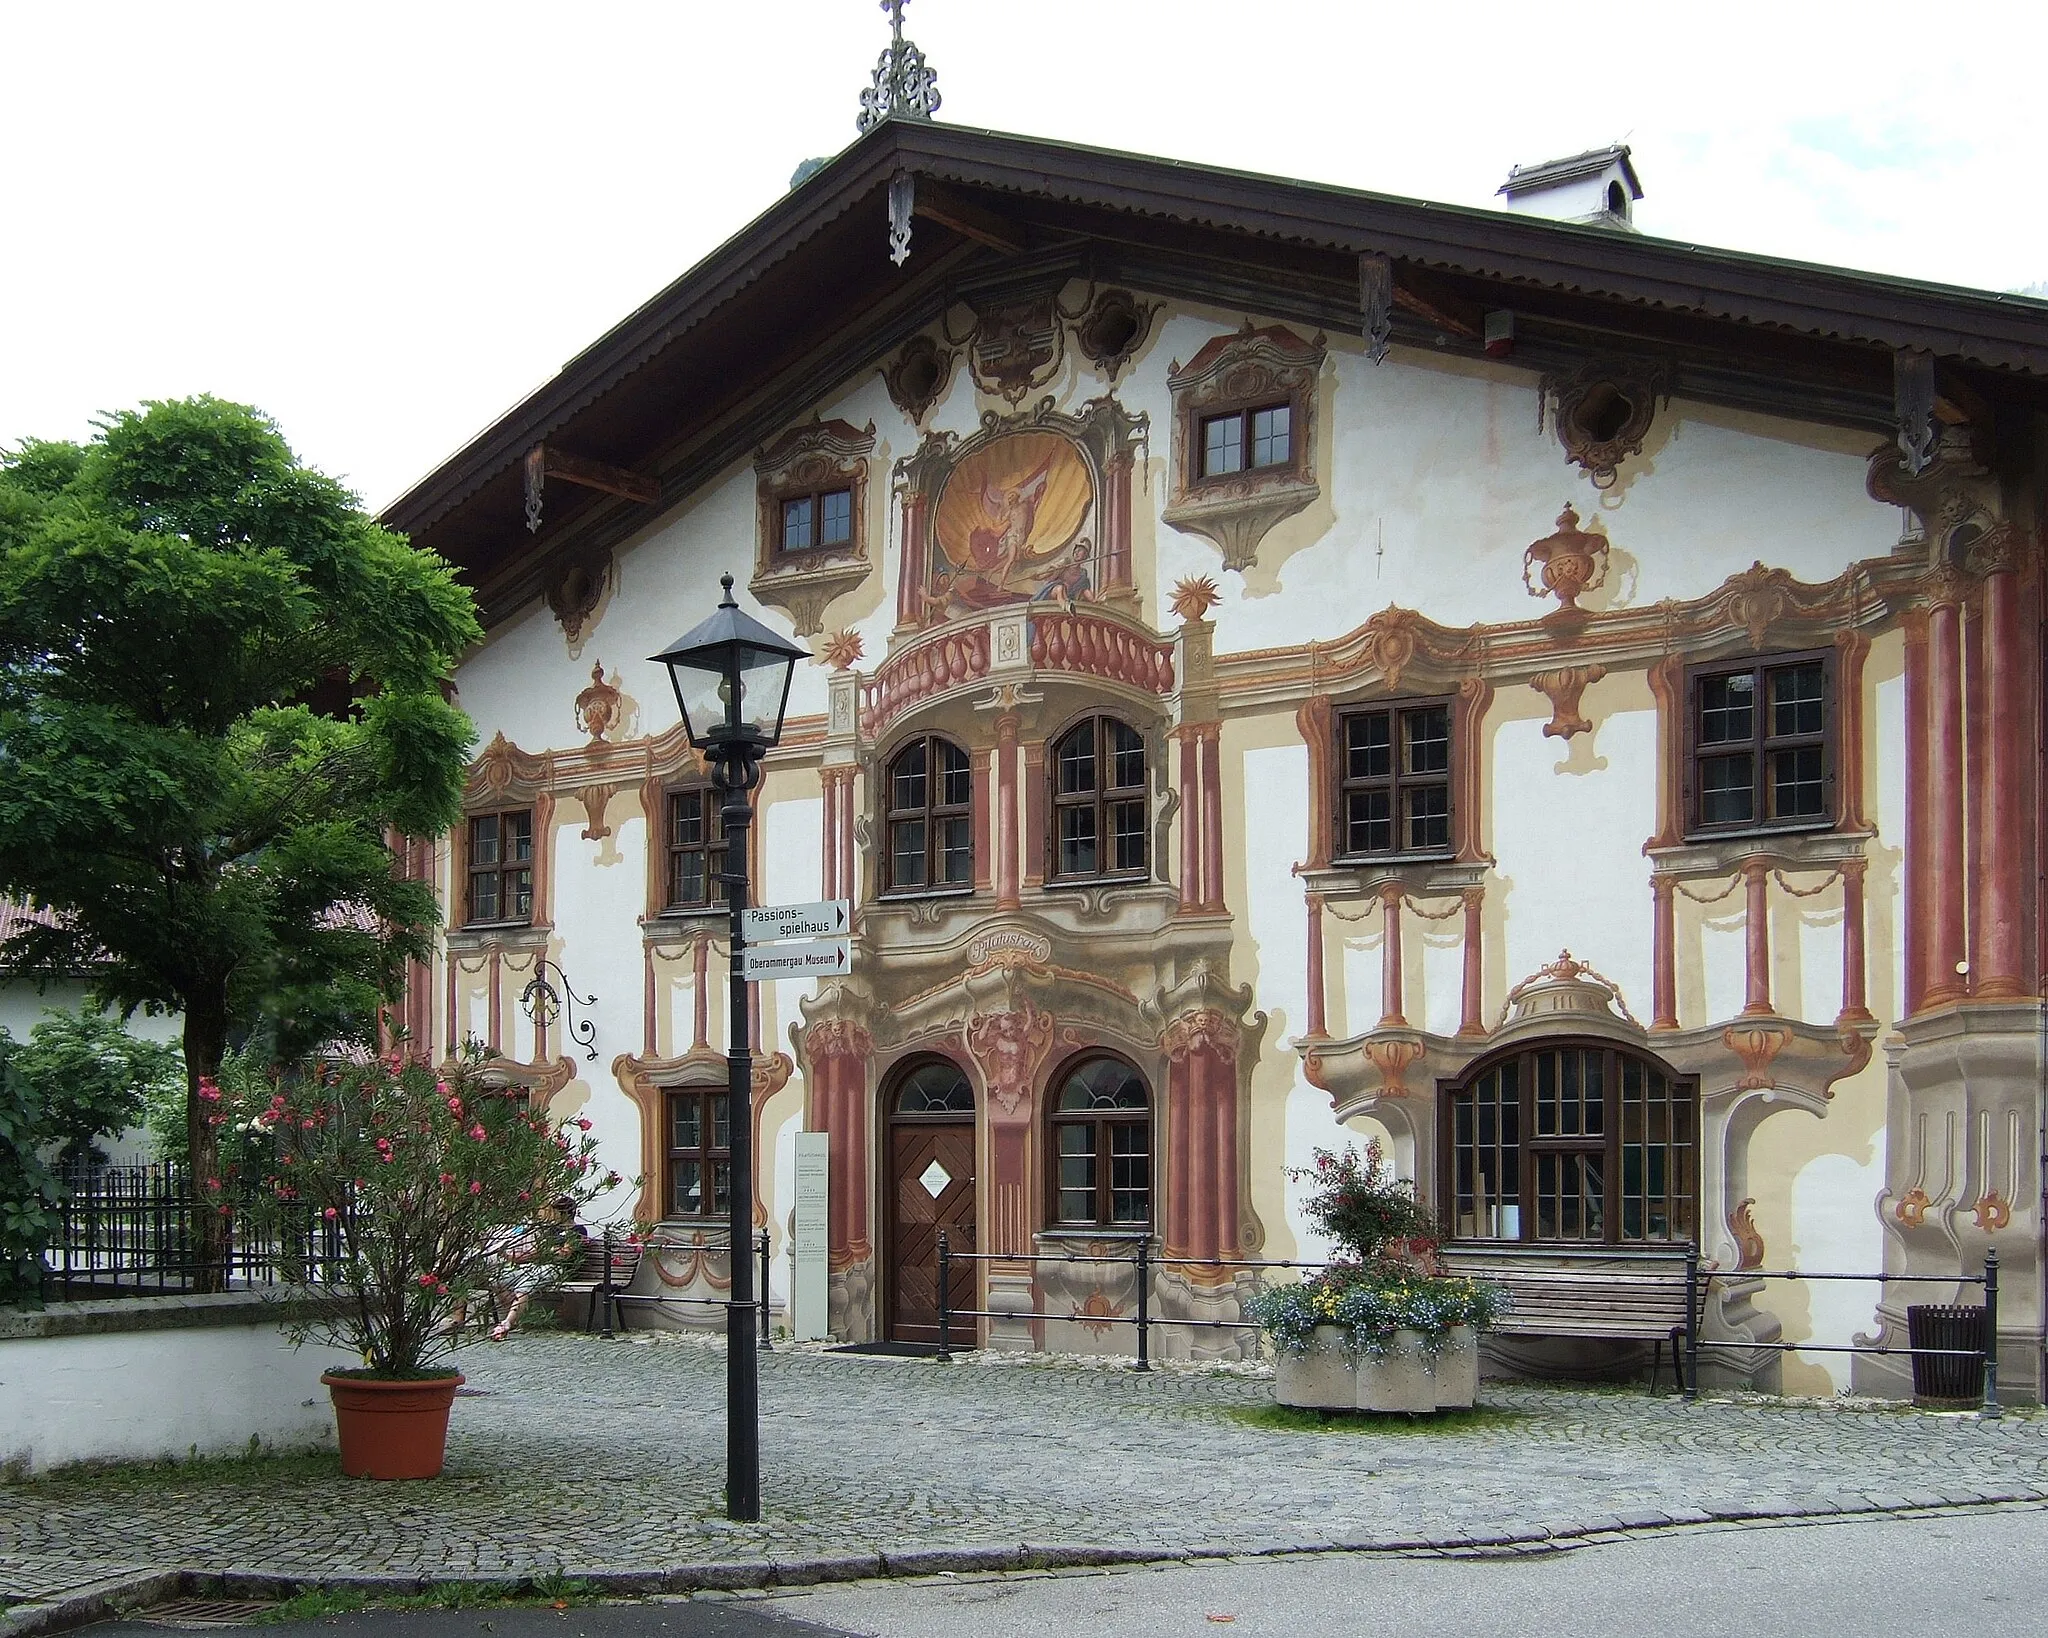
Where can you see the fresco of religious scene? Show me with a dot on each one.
(1008, 526)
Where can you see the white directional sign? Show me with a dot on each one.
(815, 958)
(827, 918)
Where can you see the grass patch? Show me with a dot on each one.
(1292, 1419)
(321, 1602)
(259, 1462)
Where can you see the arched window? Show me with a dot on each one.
(1617, 199)
(1576, 1143)
(1098, 798)
(935, 1088)
(1101, 1141)
(931, 805)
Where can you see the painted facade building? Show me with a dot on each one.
(1290, 665)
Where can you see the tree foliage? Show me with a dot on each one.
(182, 605)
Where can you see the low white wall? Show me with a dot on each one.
(143, 1378)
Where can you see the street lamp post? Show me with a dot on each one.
(731, 676)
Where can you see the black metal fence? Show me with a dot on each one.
(605, 1300)
(128, 1231)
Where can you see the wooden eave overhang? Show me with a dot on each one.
(805, 295)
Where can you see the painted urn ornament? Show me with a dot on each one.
(1573, 561)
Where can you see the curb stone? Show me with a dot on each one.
(758, 1577)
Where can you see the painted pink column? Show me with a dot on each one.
(1201, 1128)
(849, 887)
(1913, 627)
(1318, 1016)
(1855, 968)
(2003, 904)
(1391, 1016)
(1756, 876)
(828, 781)
(1190, 820)
(1471, 1019)
(1663, 953)
(1179, 1147)
(1212, 817)
(700, 993)
(1946, 773)
(1006, 812)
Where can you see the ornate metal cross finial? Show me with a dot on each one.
(905, 85)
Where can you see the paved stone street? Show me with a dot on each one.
(584, 1457)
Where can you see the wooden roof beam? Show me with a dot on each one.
(963, 216)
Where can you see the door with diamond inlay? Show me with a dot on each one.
(930, 1189)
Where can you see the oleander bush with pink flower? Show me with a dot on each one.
(420, 1185)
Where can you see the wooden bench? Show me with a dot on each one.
(590, 1278)
(1554, 1292)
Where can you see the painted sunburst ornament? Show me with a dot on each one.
(842, 648)
(1195, 597)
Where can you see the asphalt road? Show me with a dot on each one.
(1952, 1572)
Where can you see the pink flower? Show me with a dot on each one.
(478, 1133)
(582, 1124)
(207, 1090)
(213, 1183)
(330, 1214)
(447, 1178)
(455, 1107)
(476, 1188)
(428, 1281)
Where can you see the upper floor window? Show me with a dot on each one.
(1394, 778)
(501, 867)
(699, 1172)
(931, 795)
(696, 848)
(820, 519)
(1099, 806)
(1583, 1143)
(1247, 439)
(1101, 1139)
(1760, 748)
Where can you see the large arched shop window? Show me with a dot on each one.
(931, 808)
(1100, 1134)
(1577, 1142)
(1098, 801)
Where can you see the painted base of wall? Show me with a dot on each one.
(123, 1394)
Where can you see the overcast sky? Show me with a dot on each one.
(386, 223)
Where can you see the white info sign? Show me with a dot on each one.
(818, 958)
(810, 1286)
(827, 918)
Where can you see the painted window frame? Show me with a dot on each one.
(1246, 416)
(710, 848)
(933, 814)
(499, 869)
(1100, 799)
(816, 496)
(1761, 744)
(1101, 1124)
(707, 1153)
(1396, 710)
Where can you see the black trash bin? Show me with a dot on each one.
(1953, 1380)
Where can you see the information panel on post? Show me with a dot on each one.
(767, 923)
(814, 958)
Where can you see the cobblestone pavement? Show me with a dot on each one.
(584, 1457)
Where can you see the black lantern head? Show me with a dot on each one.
(731, 676)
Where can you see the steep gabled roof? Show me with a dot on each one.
(806, 294)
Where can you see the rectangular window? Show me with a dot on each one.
(501, 867)
(1759, 745)
(696, 849)
(1394, 778)
(817, 520)
(1247, 440)
(699, 1153)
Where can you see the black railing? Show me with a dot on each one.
(610, 1296)
(128, 1231)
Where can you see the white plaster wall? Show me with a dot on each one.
(142, 1395)
(1834, 1230)
(1886, 910)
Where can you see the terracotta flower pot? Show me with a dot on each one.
(392, 1430)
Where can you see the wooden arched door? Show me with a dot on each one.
(929, 1185)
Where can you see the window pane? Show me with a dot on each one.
(519, 894)
(956, 852)
(935, 1089)
(1126, 757)
(518, 837)
(483, 840)
(1426, 816)
(1368, 750)
(906, 779)
(1077, 842)
(1076, 1147)
(1797, 786)
(1726, 712)
(1426, 737)
(906, 853)
(1102, 1083)
(686, 1123)
(1271, 445)
(1127, 831)
(796, 525)
(686, 1188)
(687, 882)
(1130, 1174)
(1077, 761)
(483, 897)
(721, 1128)
(1796, 704)
(1368, 822)
(1727, 789)
(1593, 1087)
(686, 817)
(721, 1186)
(835, 526)
(1222, 445)
(956, 775)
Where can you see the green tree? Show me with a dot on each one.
(176, 597)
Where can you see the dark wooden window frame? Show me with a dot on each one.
(1244, 415)
(500, 870)
(819, 545)
(1102, 798)
(1101, 1122)
(707, 1152)
(932, 815)
(1761, 743)
(1395, 780)
(711, 849)
(1608, 1145)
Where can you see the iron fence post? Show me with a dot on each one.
(945, 1298)
(604, 1289)
(1692, 1323)
(1145, 1303)
(766, 1345)
(1991, 1410)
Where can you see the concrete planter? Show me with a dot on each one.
(1328, 1376)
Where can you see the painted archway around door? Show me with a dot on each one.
(928, 1177)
